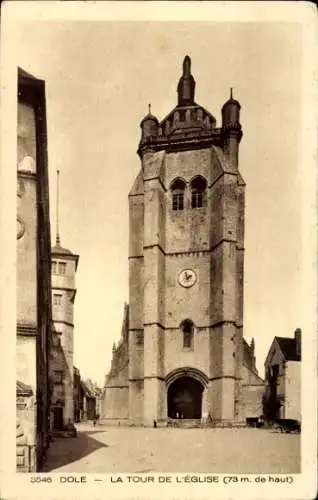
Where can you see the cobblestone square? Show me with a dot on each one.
(142, 450)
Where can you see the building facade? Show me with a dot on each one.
(59, 368)
(77, 391)
(85, 398)
(88, 402)
(181, 352)
(283, 379)
(34, 314)
(64, 266)
(252, 385)
(96, 392)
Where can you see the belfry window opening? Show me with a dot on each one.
(177, 190)
(187, 330)
(198, 192)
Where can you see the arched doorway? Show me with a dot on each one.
(185, 398)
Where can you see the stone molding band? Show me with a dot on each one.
(187, 252)
(117, 386)
(27, 330)
(154, 323)
(157, 179)
(63, 322)
(165, 189)
(178, 373)
(212, 325)
(26, 174)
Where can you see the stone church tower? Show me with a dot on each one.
(185, 342)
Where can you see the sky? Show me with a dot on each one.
(100, 77)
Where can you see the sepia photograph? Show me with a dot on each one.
(160, 256)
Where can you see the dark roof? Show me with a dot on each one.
(25, 74)
(150, 117)
(288, 348)
(231, 101)
(194, 106)
(57, 249)
(28, 79)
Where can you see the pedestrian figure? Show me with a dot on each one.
(155, 424)
(94, 421)
(177, 415)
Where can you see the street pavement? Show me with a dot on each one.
(142, 450)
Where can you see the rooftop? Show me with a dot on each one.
(288, 348)
(58, 249)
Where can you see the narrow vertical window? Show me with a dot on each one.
(62, 267)
(53, 267)
(187, 330)
(177, 193)
(198, 192)
(57, 299)
(58, 377)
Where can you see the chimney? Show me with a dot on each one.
(298, 342)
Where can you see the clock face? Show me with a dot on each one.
(187, 278)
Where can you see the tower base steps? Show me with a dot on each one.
(200, 423)
(184, 423)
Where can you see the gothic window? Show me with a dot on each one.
(187, 330)
(177, 191)
(198, 192)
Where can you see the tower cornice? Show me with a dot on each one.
(188, 140)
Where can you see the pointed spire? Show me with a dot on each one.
(252, 346)
(114, 348)
(149, 108)
(231, 93)
(186, 85)
(186, 66)
(58, 239)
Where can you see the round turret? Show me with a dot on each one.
(231, 114)
(149, 126)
